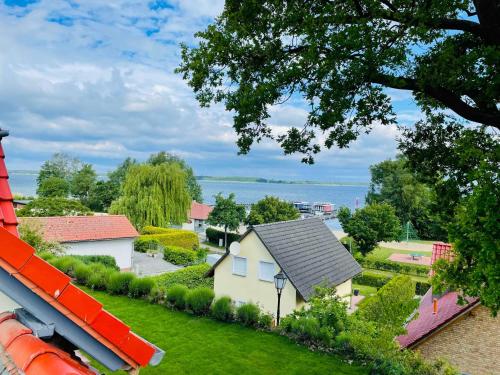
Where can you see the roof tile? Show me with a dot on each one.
(22, 252)
(46, 276)
(83, 228)
(80, 303)
(110, 327)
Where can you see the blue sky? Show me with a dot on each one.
(95, 79)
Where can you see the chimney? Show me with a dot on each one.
(435, 306)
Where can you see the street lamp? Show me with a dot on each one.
(279, 283)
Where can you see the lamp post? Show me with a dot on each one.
(279, 283)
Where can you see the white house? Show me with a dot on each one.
(111, 235)
(198, 216)
(306, 251)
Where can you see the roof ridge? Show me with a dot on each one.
(286, 221)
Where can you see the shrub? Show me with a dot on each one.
(265, 320)
(248, 314)
(213, 236)
(175, 237)
(119, 283)
(157, 295)
(199, 300)
(387, 265)
(106, 260)
(371, 279)
(144, 243)
(141, 287)
(46, 255)
(223, 309)
(192, 277)
(66, 264)
(421, 288)
(149, 229)
(99, 277)
(179, 255)
(82, 274)
(176, 296)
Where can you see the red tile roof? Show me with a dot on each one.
(427, 322)
(19, 260)
(199, 211)
(31, 355)
(83, 228)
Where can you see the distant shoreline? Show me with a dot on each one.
(238, 180)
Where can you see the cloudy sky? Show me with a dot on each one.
(95, 79)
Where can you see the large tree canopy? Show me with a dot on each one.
(271, 210)
(154, 195)
(339, 56)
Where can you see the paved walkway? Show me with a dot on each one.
(355, 300)
(407, 246)
(145, 265)
(407, 258)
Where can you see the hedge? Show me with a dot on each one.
(177, 237)
(377, 280)
(213, 236)
(387, 265)
(192, 277)
(145, 243)
(149, 229)
(179, 255)
(106, 260)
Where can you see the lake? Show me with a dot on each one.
(247, 192)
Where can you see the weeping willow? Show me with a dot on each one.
(154, 195)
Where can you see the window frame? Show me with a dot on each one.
(261, 278)
(246, 266)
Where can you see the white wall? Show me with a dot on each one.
(6, 304)
(121, 249)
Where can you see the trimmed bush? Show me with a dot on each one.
(106, 260)
(192, 277)
(178, 255)
(145, 243)
(199, 300)
(157, 295)
(266, 320)
(421, 288)
(223, 309)
(119, 283)
(45, 255)
(176, 296)
(66, 264)
(371, 279)
(100, 276)
(175, 237)
(248, 314)
(140, 287)
(214, 235)
(388, 265)
(149, 229)
(82, 274)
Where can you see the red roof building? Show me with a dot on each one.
(199, 211)
(65, 229)
(72, 318)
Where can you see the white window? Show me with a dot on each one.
(266, 271)
(240, 266)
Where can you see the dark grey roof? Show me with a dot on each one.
(309, 253)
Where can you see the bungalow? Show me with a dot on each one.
(306, 251)
(90, 235)
(465, 335)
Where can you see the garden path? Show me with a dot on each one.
(146, 265)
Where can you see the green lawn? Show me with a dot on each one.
(382, 253)
(203, 346)
(365, 290)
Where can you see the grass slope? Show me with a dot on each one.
(203, 346)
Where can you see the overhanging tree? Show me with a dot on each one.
(339, 56)
(154, 195)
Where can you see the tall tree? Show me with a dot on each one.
(154, 195)
(56, 206)
(102, 194)
(271, 210)
(192, 184)
(340, 56)
(82, 182)
(53, 187)
(393, 182)
(370, 225)
(117, 177)
(61, 165)
(227, 214)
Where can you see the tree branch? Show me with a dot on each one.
(443, 95)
